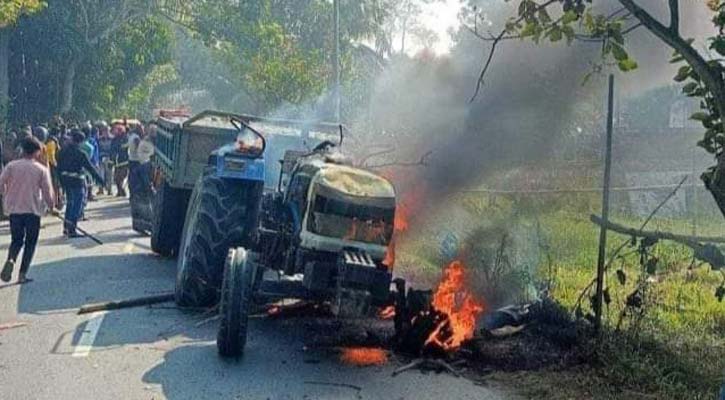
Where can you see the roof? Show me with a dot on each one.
(355, 182)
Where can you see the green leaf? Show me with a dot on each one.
(569, 33)
(544, 17)
(683, 73)
(569, 17)
(689, 88)
(555, 34)
(618, 52)
(676, 59)
(699, 116)
(530, 29)
(627, 65)
(718, 44)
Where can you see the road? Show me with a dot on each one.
(161, 352)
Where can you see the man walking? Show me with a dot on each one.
(104, 151)
(72, 163)
(119, 155)
(26, 188)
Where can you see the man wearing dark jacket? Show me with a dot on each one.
(72, 163)
(119, 155)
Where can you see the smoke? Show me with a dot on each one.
(533, 104)
(533, 101)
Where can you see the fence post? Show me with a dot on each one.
(605, 209)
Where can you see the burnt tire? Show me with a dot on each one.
(169, 209)
(222, 214)
(235, 302)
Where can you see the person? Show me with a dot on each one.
(27, 191)
(72, 163)
(24, 134)
(52, 146)
(104, 153)
(90, 149)
(134, 139)
(119, 155)
(41, 133)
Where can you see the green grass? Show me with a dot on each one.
(675, 351)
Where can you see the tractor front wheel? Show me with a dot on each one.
(236, 298)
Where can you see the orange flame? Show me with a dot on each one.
(401, 224)
(363, 356)
(387, 312)
(365, 230)
(458, 303)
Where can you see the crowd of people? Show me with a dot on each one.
(51, 167)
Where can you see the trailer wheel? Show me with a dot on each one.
(169, 210)
(236, 298)
(222, 214)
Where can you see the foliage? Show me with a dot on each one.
(702, 75)
(11, 10)
(280, 52)
(675, 351)
(125, 70)
(107, 70)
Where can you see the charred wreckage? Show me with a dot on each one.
(320, 230)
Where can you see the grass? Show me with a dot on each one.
(674, 349)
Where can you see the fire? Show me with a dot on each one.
(366, 231)
(387, 312)
(363, 356)
(402, 212)
(462, 308)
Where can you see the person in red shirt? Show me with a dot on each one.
(27, 190)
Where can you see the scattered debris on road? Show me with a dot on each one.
(129, 303)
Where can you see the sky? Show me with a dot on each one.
(440, 17)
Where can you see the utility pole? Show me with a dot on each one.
(605, 209)
(336, 67)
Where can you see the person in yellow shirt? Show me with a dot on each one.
(52, 147)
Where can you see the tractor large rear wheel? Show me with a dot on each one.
(222, 214)
(236, 298)
(168, 219)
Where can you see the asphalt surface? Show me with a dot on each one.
(47, 351)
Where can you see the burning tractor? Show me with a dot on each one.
(322, 235)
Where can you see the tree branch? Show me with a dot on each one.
(496, 40)
(711, 78)
(675, 16)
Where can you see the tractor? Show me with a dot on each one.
(323, 234)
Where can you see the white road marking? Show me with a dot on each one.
(88, 337)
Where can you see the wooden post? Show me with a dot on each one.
(605, 208)
(337, 67)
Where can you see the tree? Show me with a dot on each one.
(280, 51)
(10, 11)
(556, 20)
(94, 72)
(89, 22)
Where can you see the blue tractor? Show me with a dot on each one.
(322, 234)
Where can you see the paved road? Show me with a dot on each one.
(162, 352)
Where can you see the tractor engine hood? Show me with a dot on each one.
(349, 207)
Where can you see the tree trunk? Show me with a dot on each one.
(66, 100)
(715, 177)
(4, 77)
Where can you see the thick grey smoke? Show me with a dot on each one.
(532, 103)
